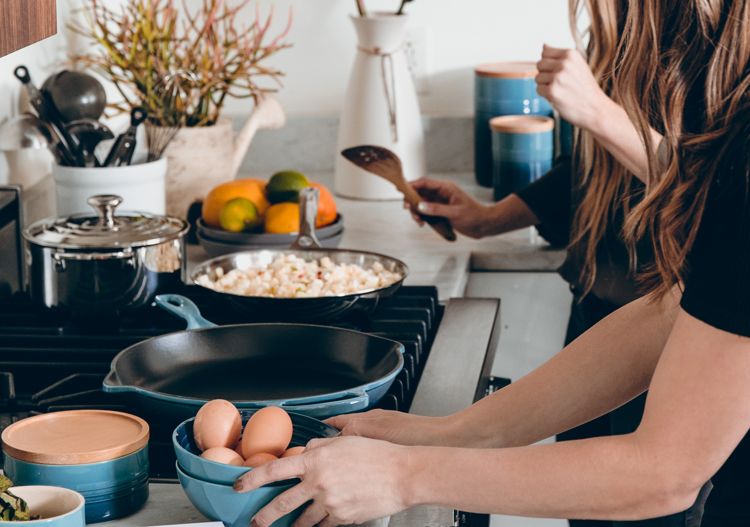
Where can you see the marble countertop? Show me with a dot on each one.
(385, 227)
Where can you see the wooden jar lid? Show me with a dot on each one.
(507, 70)
(522, 124)
(75, 437)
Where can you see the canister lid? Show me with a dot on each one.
(522, 124)
(105, 230)
(75, 437)
(507, 70)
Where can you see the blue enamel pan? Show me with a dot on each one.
(318, 371)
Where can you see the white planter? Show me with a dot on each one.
(141, 186)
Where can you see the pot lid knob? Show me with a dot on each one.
(105, 205)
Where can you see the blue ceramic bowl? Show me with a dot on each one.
(57, 506)
(222, 503)
(188, 454)
(112, 488)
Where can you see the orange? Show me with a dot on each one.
(326, 206)
(282, 218)
(251, 189)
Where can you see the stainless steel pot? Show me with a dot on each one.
(104, 263)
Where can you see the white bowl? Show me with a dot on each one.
(57, 506)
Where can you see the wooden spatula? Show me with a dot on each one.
(384, 163)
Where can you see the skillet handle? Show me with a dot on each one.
(355, 402)
(185, 309)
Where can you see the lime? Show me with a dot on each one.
(239, 214)
(285, 186)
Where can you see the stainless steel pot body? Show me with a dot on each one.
(96, 282)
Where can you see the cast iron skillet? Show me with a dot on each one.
(307, 247)
(317, 371)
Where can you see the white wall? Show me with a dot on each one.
(460, 34)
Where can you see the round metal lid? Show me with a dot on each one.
(105, 230)
(75, 437)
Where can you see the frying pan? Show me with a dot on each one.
(324, 308)
(317, 371)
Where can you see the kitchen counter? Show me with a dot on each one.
(385, 227)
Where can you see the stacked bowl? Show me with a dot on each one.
(100, 454)
(208, 485)
(218, 242)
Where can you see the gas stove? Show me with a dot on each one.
(49, 364)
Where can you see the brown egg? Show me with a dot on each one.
(268, 430)
(217, 424)
(224, 455)
(259, 459)
(238, 448)
(294, 451)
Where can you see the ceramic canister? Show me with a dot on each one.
(101, 454)
(522, 151)
(505, 88)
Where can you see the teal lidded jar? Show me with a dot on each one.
(522, 151)
(503, 88)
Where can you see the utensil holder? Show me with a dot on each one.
(380, 108)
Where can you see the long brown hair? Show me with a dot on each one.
(684, 68)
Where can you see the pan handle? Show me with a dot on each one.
(354, 401)
(184, 308)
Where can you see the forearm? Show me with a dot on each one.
(604, 368)
(614, 130)
(601, 478)
(507, 215)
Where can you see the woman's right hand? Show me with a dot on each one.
(396, 427)
(446, 199)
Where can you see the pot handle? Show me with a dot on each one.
(354, 401)
(185, 309)
(308, 212)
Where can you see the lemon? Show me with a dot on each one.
(239, 214)
(285, 186)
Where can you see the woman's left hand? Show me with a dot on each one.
(348, 479)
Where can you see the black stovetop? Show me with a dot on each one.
(48, 363)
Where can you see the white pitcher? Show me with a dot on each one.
(380, 108)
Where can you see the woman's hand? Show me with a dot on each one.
(446, 199)
(566, 81)
(395, 427)
(349, 480)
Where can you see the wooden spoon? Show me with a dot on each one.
(384, 163)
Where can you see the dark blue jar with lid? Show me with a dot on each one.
(504, 88)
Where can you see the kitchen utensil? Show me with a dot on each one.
(317, 371)
(12, 265)
(361, 8)
(402, 6)
(57, 506)
(76, 95)
(503, 88)
(101, 454)
(384, 163)
(309, 308)
(234, 509)
(124, 146)
(380, 107)
(24, 131)
(188, 454)
(89, 133)
(67, 147)
(97, 265)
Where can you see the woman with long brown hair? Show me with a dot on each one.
(681, 71)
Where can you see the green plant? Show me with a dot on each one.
(180, 65)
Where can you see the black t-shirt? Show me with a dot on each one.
(717, 282)
(553, 198)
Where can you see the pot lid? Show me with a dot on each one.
(75, 437)
(105, 230)
(507, 70)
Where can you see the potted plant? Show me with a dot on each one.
(182, 65)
